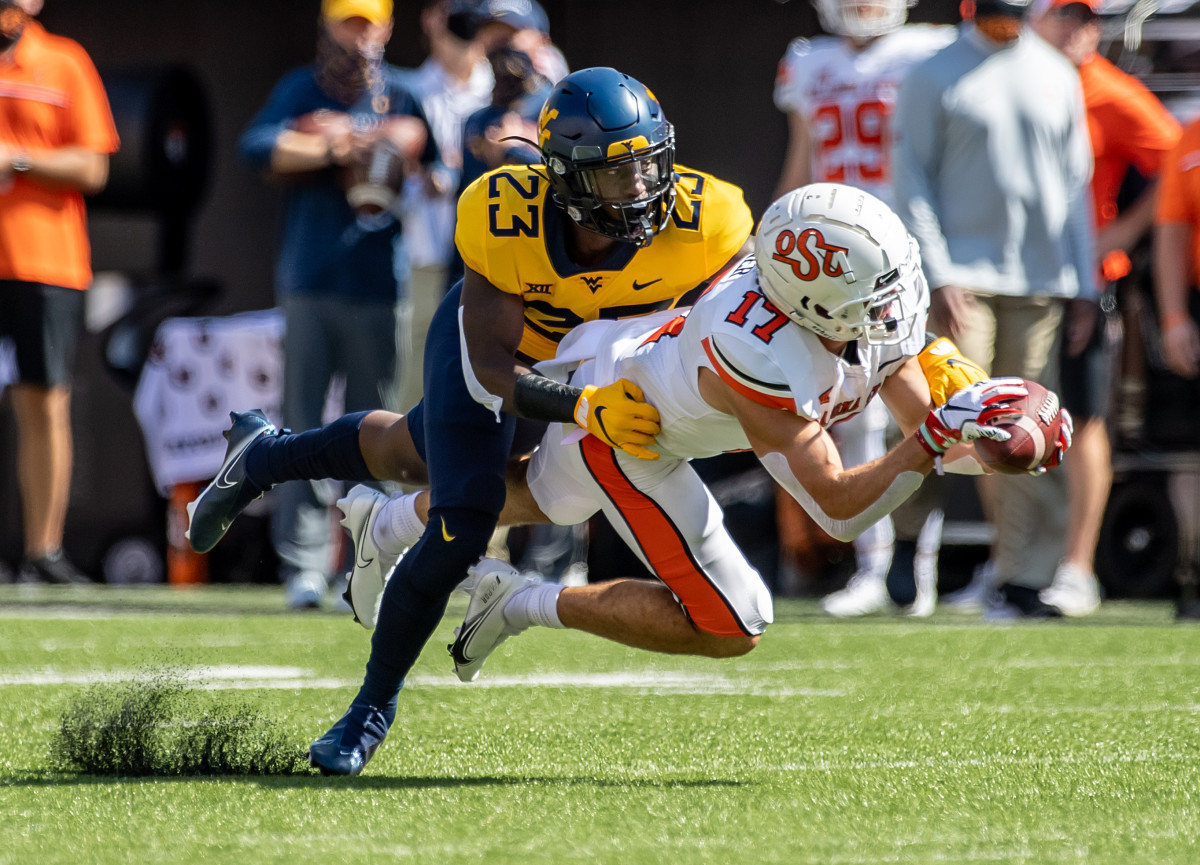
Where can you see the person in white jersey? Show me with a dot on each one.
(828, 312)
(839, 92)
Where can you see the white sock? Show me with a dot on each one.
(535, 604)
(398, 526)
(929, 541)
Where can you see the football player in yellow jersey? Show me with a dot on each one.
(605, 228)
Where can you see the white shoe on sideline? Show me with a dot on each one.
(974, 596)
(372, 568)
(1074, 591)
(865, 593)
(304, 590)
(483, 628)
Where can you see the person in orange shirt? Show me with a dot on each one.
(1128, 127)
(1177, 254)
(56, 136)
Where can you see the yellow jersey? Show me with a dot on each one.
(510, 232)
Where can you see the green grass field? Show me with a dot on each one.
(877, 741)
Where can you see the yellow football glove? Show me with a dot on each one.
(946, 370)
(619, 416)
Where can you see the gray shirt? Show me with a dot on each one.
(991, 164)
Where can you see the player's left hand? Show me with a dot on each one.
(619, 416)
(969, 413)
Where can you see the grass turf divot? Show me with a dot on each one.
(156, 725)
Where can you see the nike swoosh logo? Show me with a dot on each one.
(456, 650)
(445, 534)
(223, 481)
(638, 286)
(468, 630)
(360, 560)
(600, 423)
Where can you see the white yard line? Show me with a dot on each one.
(249, 677)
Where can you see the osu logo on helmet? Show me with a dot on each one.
(809, 246)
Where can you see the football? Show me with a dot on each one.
(1034, 434)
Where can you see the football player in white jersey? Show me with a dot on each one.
(828, 312)
(838, 92)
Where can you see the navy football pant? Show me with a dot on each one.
(467, 451)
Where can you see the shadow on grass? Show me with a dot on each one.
(368, 782)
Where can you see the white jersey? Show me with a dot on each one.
(755, 349)
(847, 98)
(661, 508)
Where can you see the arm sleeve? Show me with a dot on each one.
(788, 96)
(1174, 205)
(91, 117)
(1154, 132)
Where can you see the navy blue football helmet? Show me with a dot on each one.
(609, 154)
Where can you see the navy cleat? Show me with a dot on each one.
(350, 743)
(215, 509)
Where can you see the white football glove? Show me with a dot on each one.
(969, 413)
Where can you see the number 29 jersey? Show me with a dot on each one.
(512, 233)
(847, 96)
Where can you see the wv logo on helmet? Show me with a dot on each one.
(809, 255)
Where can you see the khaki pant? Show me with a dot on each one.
(426, 290)
(1018, 336)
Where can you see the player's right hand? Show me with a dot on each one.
(969, 413)
(619, 416)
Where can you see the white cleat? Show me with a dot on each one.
(1074, 591)
(866, 593)
(372, 568)
(484, 628)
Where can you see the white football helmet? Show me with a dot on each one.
(862, 19)
(838, 261)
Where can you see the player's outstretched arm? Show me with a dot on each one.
(803, 459)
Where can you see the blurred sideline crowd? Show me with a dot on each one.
(1028, 167)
